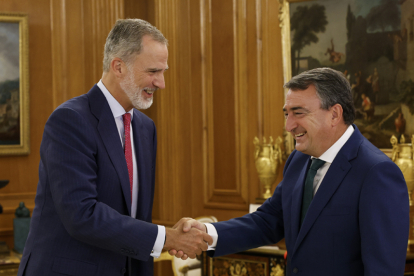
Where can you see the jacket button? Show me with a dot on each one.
(123, 271)
(295, 270)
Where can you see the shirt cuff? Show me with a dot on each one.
(211, 230)
(159, 242)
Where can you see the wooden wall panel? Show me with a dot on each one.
(258, 96)
(221, 107)
(79, 30)
(174, 113)
(224, 99)
(171, 112)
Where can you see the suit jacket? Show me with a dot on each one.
(357, 223)
(81, 223)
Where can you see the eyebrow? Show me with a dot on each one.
(157, 69)
(297, 108)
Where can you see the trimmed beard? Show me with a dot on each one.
(134, 93)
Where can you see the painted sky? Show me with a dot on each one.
(335, 11)
(9, 51)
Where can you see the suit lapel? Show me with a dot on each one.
(143, 158)
(110, 137)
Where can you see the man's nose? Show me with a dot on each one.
(290, 123)
(159, 81)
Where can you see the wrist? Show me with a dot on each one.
(168, 237)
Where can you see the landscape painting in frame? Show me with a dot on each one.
(372, 43)
(14, 102)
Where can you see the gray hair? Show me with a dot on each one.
(125, 40)
(331, 86)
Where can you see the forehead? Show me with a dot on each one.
(153, 49)
(302, 99)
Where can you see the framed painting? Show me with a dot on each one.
(14, 84)
(371, 43)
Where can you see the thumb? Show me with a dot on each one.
(208, 239)
(193, 224)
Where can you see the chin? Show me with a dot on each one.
(143, 105)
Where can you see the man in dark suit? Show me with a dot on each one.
(96, 175)
(353, 216)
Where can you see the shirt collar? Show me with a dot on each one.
(329, 155)
(116, 107)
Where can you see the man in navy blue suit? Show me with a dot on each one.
(95, 193)
(352, 218)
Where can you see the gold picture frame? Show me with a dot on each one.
(284, 18)
(371, 48)
(14, 85)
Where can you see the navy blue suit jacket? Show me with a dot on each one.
(357, 223)
(81, 223)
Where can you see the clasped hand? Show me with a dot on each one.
(187, 239)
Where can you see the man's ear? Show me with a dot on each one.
(118, 67)
(336, 111)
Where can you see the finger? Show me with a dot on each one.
(187, 225)
(198, 252)
(172, 252)
(184, 257)
(203, 247)
(208, 239)
(179, 254)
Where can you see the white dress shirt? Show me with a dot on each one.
(117, 112)
(328, 156)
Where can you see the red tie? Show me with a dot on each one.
(127, 148)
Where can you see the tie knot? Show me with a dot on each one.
(127, 118)
(316, 164)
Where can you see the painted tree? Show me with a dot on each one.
(350, 22)
(386, 14)
(306, 22)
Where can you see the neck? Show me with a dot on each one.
(112, 84)
(336, 133)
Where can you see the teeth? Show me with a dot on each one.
(299, 135)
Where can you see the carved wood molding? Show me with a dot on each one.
(59, 50)
(284, 18)
(215, 197)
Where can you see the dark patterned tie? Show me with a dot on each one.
(127, 148)
(308, 191)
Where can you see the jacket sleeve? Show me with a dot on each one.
(384, 220)
(263, 227)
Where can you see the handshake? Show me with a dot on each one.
(187, 239)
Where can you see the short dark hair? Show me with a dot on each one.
(331, 86)
(125, 40)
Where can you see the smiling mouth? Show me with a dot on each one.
(300, 135)
(150, 91)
